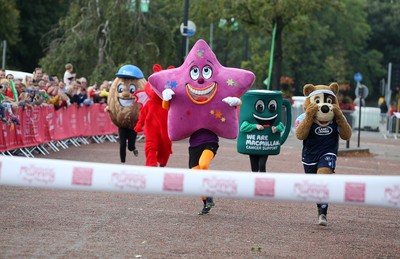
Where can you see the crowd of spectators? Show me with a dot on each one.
(43, 89)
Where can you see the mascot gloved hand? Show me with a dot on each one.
(320, 128)
(123, 109)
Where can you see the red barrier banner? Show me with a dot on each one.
(39, 125)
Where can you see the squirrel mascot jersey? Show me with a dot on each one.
(123, 109)
(202, 96)
(319, 128)
(153, 118)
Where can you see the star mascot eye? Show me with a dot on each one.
(194, 73)
(207, 72)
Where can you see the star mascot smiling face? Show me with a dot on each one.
(198, 86)
(123, 109)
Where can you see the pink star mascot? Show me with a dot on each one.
(202, 96)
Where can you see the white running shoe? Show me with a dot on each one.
(322, 220)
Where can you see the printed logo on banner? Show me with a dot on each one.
(82, 176)
(392, 195)
(32, 174)
(354, 192)
(214, 185)
(123, 180)
(310, 191)
(173, 182)
(264, 187)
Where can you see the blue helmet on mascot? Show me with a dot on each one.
(129, 71)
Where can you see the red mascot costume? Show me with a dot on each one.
(153, 118)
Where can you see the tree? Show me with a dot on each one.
(259, 18)
(383, 17)
(333, 48)
(99, 36)
(36, 18)
(9, 23)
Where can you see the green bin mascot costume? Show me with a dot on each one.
(260, 132)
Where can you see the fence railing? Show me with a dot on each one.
(44, 125)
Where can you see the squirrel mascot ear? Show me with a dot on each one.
(307, 89)
(334, 88)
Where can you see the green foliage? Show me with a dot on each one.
(9, 29)
(384, 19)
(99, 37)
(334, 47)
(9, 24)
(317, 41)
(36, 18)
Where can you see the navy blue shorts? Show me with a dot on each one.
(325, 161)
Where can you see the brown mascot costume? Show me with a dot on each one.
(123, 109)
(319, 128)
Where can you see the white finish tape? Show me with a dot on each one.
(382, 191)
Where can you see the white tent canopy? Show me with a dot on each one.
(18, 74)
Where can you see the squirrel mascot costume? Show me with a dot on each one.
(123, 109)
(319, 128)
(158, 146)
(202, 96)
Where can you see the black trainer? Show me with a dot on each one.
(206, 209)
(135, 152)
(208, 204)
(210, 201)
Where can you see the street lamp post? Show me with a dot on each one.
(3, 66)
